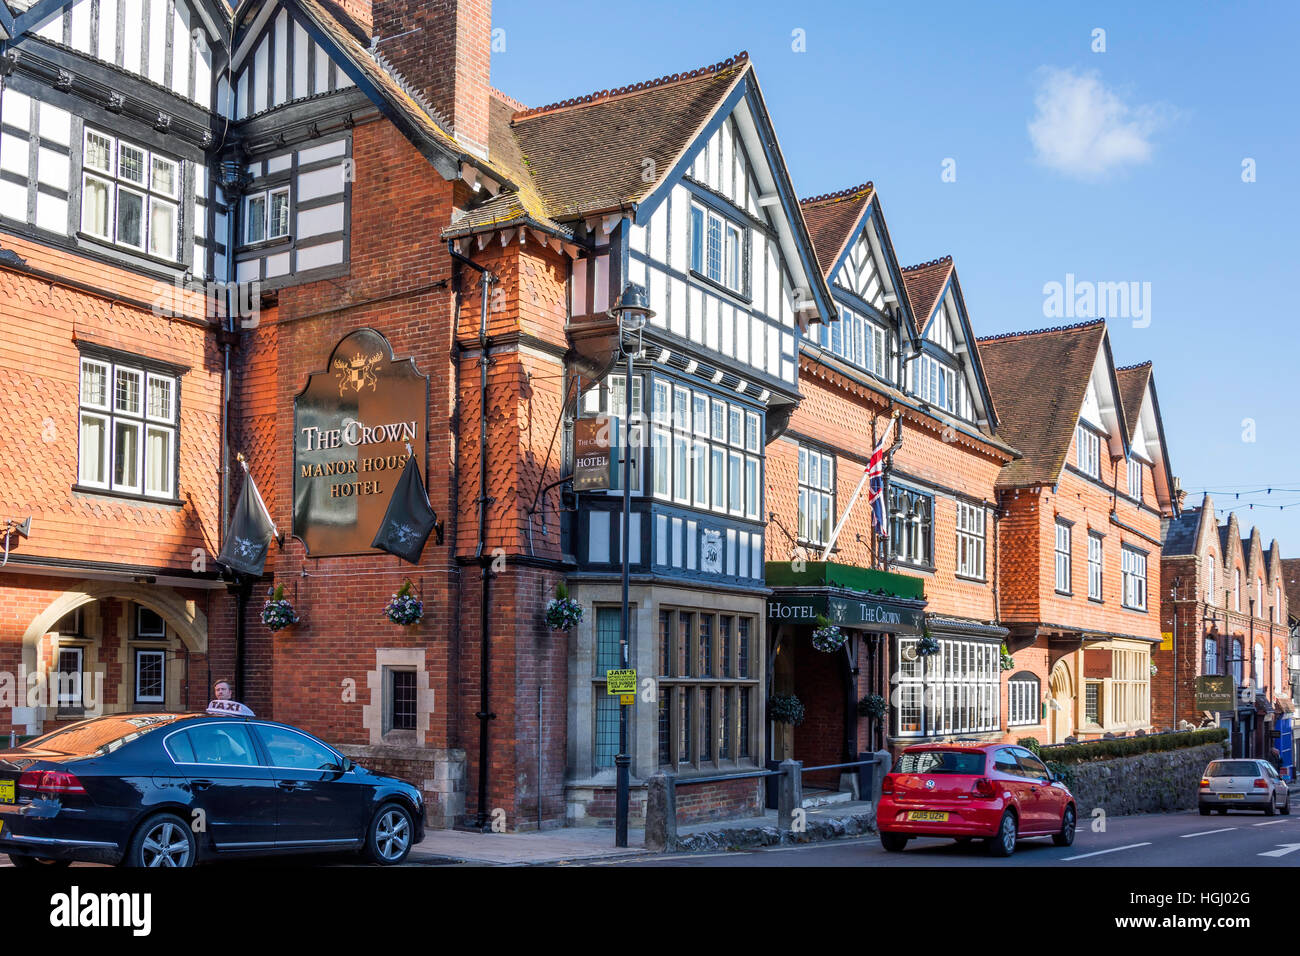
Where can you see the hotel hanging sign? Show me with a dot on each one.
(351, 426)
(866, 614)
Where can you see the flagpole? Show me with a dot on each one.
(866, 472)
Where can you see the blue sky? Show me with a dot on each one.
(1133, 171)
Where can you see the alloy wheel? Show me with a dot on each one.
(393, 834)
(166, 844)
(1008, 833)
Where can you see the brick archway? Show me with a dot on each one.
(1061, 707)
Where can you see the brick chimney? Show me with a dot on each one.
(443, 49)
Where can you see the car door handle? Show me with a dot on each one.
(290, 785)
(200, 784)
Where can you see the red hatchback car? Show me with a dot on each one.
(997, 792)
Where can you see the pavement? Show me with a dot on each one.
(573, 844)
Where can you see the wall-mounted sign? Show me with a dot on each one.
(711, 550)
(866, 614)
(620, 681)
(351, 426)
(591, 454)
(1215, 692)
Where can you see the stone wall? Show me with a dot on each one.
(1145, 783)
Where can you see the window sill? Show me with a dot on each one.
(1068, 594)
(128, 496)
(721, 287)
(1135, 610)
(971, 578)
(129, 250)
(895, 564)
(265, 244)
(1096, 600)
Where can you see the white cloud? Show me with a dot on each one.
(1085, 130)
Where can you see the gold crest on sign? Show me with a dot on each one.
(358, 372)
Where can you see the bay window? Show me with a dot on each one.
(953, 691)
(130, 195)
(127, 427)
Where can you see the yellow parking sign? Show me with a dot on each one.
(620, 682)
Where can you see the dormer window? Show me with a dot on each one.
(717, 248)
(1089, 455)
(935, 383)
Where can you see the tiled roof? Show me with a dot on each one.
(1038, 380)
(1180, 533)
(923, 284)
(1132, 386)
(831, 219)
(588, 155)
(1291, 583)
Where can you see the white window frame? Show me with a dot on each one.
(957, 690)
(1088, 455)
(140, 654)
(1096, 562)
(144, 188)
(816, 515)
(268, 202)
(732, 238)
(1134, 569)
(111, 414)
(139, 629)
(1135, 478)
(1064, 558)
(1024, 707)
(75, 697)
(970, 540)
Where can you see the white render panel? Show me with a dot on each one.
(322, 71)
(681, 208)
(742, 336)
(341, 79)
(758, 557)
(638, 239)
(249, 270)
(55, 124)
(52, 30)
(159, 28)
(51, 213)
(773, 282)
(697, 316)
(633, 537)
(16, 109)
(52, 168)
(661, 539)
(278, 164)
(599, 524)
(81, 26)
(301, 43)
(692, 545)
(677, 296)
(758, 342)
(281, 79)
(241, 96)
(578, 288)
(203, 73)
(320, 182)
(132, 37)
(182, 48)
(731, 551)
(314, 222)
(711, 321)
(677, 542)
(758, 266)
(658, 292)
(277, 265)
(728, 331)
(773, 350)
(260, 60)
(659, 234)
(313, 257)
(13, 199)
(15, 158)
(726, 185)
(316, 153)
(637, 272)
(600, 300)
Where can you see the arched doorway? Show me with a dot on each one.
(1060, 708)
(111, 647)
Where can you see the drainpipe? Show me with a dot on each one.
(480, 553)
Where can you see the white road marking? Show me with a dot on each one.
(1188, 836)
(1283, 849)
(1084, 856)
(1268, 823)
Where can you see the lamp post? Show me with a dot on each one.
(632, 312)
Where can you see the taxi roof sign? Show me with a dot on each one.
(228, 708)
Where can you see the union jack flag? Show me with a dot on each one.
(876, 480)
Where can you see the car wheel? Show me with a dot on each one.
(893, 842)
(388, 839)
(1286, 805)
(1066, 836)
(1271, 809)
(23, 862)
(1205, 811)
(162, 840)
(1004, 844)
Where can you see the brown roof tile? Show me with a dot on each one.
(1038, 380)
(587, 155)
(831, 219)
(923, 284)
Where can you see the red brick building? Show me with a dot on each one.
(1079, 576)
(1229, 615)
(901, 345)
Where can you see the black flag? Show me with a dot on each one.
(250, 534)
(409, 518)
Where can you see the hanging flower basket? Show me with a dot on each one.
(927, 645)
(828, 638)
(873, 706)
(785, 709)
(1153, 670)
(562, 612)
(1008, 662)
(405, 608)
(277, 613)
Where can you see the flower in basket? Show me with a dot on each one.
(277, 613)
(927, 645)
(1008, 662)
(563, 613)
(405, 608)
(785, 709)
(827, 637)
(873, 706)
(1153, 670)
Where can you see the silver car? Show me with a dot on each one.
(1244, 784)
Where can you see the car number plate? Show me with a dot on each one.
(6, 791)
(936, 815)
(1232, 796)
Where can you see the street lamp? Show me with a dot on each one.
(632, 312)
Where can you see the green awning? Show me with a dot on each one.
(857, 598)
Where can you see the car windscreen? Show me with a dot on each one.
(941, 761)
(99, 735)
(1233, 768)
